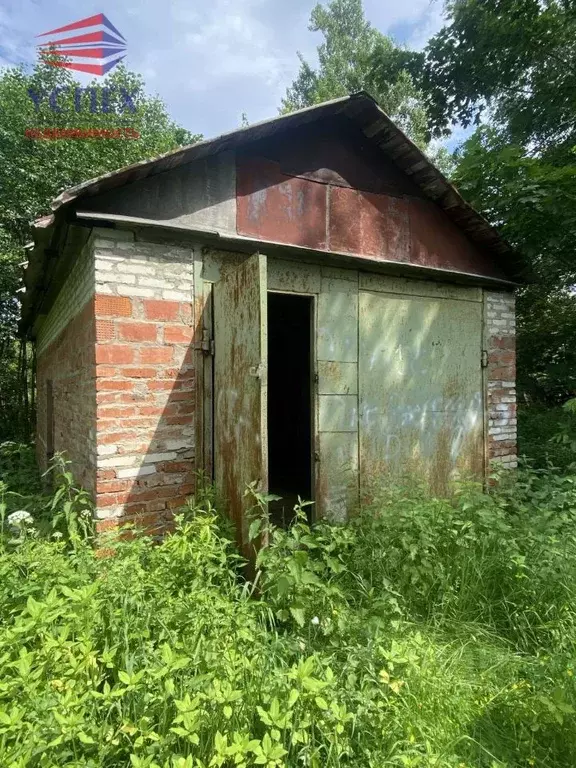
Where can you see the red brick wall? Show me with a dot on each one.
(500, 345)
(145, 383)
(122, 373)
(69, 362)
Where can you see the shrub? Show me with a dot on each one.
(539, 427)
(425, 632)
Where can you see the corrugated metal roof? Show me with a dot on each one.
(359, 108)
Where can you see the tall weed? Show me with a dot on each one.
(425, 632)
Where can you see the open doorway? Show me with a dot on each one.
(290, 462)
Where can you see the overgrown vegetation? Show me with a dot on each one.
(34, 171)
(425, 632)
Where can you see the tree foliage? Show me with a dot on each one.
(508, 66)
(353, 57)
(514, 58)
(532, 201)
(33, 171)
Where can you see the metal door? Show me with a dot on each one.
(240, 387)
(420, 376)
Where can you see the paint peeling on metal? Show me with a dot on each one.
(369, 224)
(311, 193)
(293, 276)
(240, 435)
(437, 242)
(407, 287)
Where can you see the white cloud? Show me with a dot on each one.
(211, 60)
(428, 25)
(232, 42)
(420, 19)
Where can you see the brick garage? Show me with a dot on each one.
(148, 293)
(120, 374)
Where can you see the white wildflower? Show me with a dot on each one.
(19, 518)
(315, 620)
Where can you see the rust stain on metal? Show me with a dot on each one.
(336, 378)
(240, 385)
(437, 242)
(324, 194)
(272, 206)
(332, 193)
(369, 224)
(332, 153)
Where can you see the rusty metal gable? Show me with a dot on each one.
(375, 125)
(381, 136)
(326, 187)
(333, 151)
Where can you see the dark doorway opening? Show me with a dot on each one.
(289, 403)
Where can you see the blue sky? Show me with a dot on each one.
(210, 60)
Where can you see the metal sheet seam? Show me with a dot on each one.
(420, 296)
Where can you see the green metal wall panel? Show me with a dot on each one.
(337, 413)
(335, 378)
(337, 487)
(337, 361)
(420, 375)
(338, 321)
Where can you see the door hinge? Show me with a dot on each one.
(207, 344)
(258, 371)
(484, 358)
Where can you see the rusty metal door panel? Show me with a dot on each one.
(338, 321)
(421, 403)
(408, 287)
(240, 384)
(338, 479)
(336, 378)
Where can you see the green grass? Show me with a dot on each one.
(425, 632)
